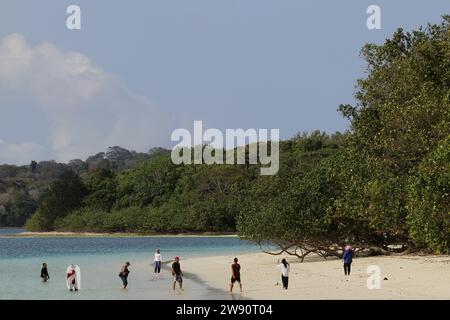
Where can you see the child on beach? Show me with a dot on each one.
(347, 259)
(235, 274)
(44, 273)
(177, 273)
(285, 268)
(124, 274)
(157, 261)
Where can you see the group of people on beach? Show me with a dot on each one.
(347, 259)
(72, 280)
(177, 274)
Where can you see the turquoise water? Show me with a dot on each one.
(100, 260)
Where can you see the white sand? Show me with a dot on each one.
(409, 277)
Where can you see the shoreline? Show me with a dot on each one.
(405, 277)
(58, 234)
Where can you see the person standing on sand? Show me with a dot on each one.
(285, 268)
(235, 274)
(124, 274)
(177, 273)
(158, 261)
(44, 273)
(347, 259)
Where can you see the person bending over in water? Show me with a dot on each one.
(124, 274)
(347, 259)
(177, 273)
(235, 274)
(44, 273)
(158, 260)
(284, 266)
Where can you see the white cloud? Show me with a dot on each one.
(87, 108)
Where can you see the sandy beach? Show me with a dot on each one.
(408, 277)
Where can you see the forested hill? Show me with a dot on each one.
(22, 186)
(159, 196)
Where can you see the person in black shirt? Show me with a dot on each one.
(177, 273)
(44, 273)
(235, 274)
(124, 274)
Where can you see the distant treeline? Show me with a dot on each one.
(382, 186)
(22, 186)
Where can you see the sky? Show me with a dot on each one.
(137, 70)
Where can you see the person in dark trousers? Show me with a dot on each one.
(177, 273)
(347, 259)
(235, 274)
(44, 273)
(124, 274)
(285, 268)
(157, 261)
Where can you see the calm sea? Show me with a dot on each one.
(100, 260)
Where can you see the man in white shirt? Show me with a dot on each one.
(285, 268)
(157, 260)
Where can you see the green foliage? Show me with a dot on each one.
(63, 196)
(403, 107)
(151, 181)
(294, 210)
(102, 190)
(429, 201)
(33, 180)
(20, 208)
(402, 115)
(36, 222)
(360, 194)
(156, 196)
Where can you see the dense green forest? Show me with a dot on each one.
(21, 187)
(383, 185)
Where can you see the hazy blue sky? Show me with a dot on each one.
(139, 69)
